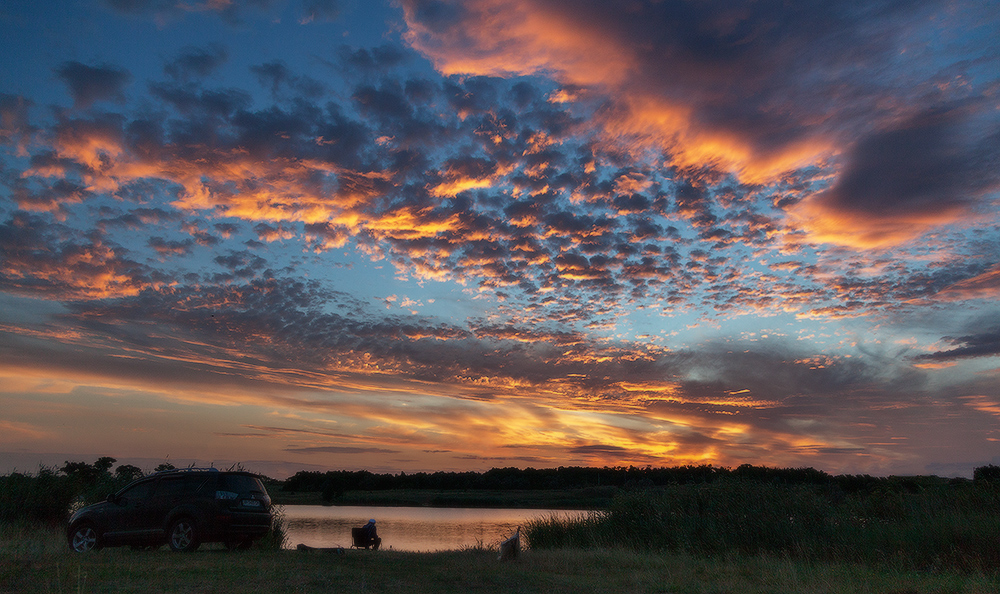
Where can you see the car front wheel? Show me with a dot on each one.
(84, 538)
(183, 535)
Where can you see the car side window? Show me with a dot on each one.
(170, 487)
(198, 483)
(137, 493)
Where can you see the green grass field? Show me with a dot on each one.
(38, 560)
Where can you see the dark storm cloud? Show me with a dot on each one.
(735, 63)
(377, 58)
(189, 99)
(138, 218)
(242, 264)
(776, 371)
(267, 232)
(277, 77)
(387, 102)
(925, 166)
(234, 13)
(166, 247)
(733, 44)
(88, 84)
(196, 62)
(972, 346)
(200, 236)
(226, 230)
(598, 449)
(51, 197)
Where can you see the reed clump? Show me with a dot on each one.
(929, 526)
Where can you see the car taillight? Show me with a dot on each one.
(226, 495)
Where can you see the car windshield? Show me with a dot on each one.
(240, 483)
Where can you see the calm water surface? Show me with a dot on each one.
(409, 528)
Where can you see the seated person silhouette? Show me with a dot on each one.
(366, 536)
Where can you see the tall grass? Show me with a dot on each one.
(930, 528)
(277, 537)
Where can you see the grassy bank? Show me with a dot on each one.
(36, 560)
(927, 528)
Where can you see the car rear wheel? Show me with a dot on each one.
(84, 538)
(183, 535)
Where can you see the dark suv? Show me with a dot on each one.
(182, 508)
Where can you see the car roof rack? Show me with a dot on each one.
(189, 469)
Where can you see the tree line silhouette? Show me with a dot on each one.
(49, 495)
(335, 483)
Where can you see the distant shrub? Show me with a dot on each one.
(989, 473)
(49, 496)
(44, 498)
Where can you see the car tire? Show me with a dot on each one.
(84, 538)
(183, 535)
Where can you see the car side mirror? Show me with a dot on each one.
(111, 498)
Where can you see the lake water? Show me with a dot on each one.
(409, 528)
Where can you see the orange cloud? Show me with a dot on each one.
(935, 365)
(825, 222)
(15, 432)
(90, 271)
(503, 38)
(528, 37)
(646, 121)
(984, 404)
(411, 223)
(983, 286)
(233, 183)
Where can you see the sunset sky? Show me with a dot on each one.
(464, 234)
